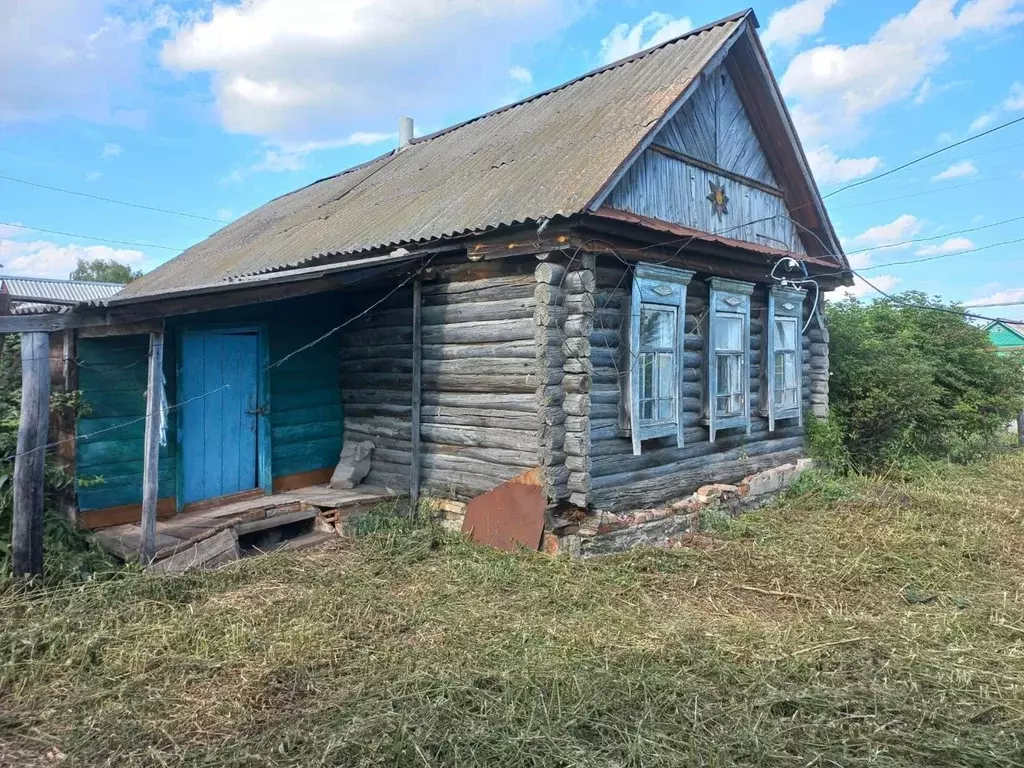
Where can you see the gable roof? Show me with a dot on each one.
(552, 154)
(1014, 328)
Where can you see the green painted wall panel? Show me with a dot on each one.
(1004, 338)
(306, 417)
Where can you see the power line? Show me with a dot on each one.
(943, 255)
(936, 237)
(923, 193)
(89, 237)
(917, 160)
(109, 199)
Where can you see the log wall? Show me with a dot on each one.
(478, 414)
(619, 480)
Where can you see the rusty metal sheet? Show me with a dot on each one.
(507, 517)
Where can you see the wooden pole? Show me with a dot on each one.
(1020, 427)
(417, 388)
(30, 463)
(151, 451)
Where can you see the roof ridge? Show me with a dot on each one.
(739, 15)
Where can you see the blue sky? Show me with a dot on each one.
(214, 109)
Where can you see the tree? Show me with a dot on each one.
(910, 379)
(104, 271)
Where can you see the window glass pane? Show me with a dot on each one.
(731, 392)
(780, 372)
(646, 363)
(657, 326)
(729, 333)
(666, 384)
(790, 369)
(723, 374)
(785, 333)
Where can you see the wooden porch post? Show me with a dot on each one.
(30, 462)
(151, 451)
(417, 376)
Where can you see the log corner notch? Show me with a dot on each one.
(30, 460)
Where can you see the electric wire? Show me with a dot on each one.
(108, 199)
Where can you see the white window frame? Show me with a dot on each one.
(661, 288)
(785, 303)
(728, 300)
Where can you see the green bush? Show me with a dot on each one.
(910, 383)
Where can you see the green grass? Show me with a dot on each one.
(853, 623)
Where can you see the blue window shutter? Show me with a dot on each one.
(728, 299)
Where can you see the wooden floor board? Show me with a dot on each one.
(186, 530)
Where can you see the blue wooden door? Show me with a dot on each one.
(220, 392)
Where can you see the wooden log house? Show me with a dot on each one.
(617, 282)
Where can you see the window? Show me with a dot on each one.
(784, 355)
(727, 402)
(652, 370)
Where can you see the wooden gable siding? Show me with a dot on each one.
(619, 480)
(676, 191)
(713, 126)
(709, 141)
(306, 421)
(1004, 338)
(478, 415)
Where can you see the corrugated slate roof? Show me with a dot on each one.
(546, 156)
(49, 290)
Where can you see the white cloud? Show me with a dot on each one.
(944, 138)
(521, 74)
(790, 25)
(957, 171)
(93, 176)
(225, 214)
(952, 245)
(1015, 100)
(314, 70)
(862, 290)
(111, 150)
(924, 92)
(835, 87)
(73, 57)
(41, 258)
(982, 122)
(999, 297)
(828, 168)
(292, 157)
(654, 29)
(886, 235)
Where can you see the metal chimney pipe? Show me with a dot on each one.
(405, 132)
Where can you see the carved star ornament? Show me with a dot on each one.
(719, 200)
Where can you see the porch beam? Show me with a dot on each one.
(30, 461)
(151, 450)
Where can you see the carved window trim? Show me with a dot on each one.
(729, 302)
(655, 288)
(785, 304)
